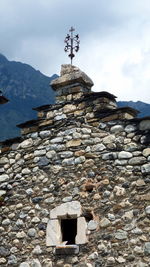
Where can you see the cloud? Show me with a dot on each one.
(114, 35)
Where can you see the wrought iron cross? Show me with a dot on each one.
(72, 44)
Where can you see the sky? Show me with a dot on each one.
(114, 40)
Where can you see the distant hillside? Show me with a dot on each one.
(26, 88)
(144, 108)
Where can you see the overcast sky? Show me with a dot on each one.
(114, 34)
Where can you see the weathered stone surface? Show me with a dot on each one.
(92, 225)
(4, 160)
(109, 139)
(98, 147)
(130, 128)
(120, 234)
(116, 129)
(44, 134)
(70, 208)
(104, 223)
(145, 168)
(4, 177)
(24, 264)
(26, 143)
(2, 193)
(146, 152)
(147, 210)
(124, 155)
(69, 75)
(51, 154)
(144, 125)
(69, 161)
(137, 161)
(147, 248)
(73, 143)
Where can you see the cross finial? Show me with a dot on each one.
(72, 44)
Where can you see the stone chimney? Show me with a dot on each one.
(71, 84)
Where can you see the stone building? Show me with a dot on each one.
(75, 187)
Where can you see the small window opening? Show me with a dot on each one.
(69, 230)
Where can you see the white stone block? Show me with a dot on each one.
(72, 208)
(53, 233)
(81, 237)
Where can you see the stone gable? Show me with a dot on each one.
(80, 171)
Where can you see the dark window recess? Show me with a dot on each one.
(69, 230)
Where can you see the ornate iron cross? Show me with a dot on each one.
(72, 44)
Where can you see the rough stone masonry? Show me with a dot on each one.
(75, 188)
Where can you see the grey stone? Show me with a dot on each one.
(37, 199)
(109, 156)
(67, 199)
(98, 147)
(102, 125)
(37, 250)
(26, 143)
(144, 125)
(120, 259)
(124, 155)
(12, 260)
(109, 139)
(145, 168)
(29, 191)
(51, 154)
(56, 140)
(131, 147)
(121, 162)
(93, 256)
(137, 231)
(39, 152)
(32, 232)
(35, 219)
(69, 75)
(92, 225)
(34, 135)
(4, 177)
(66, 154)
(6, 222)
(56, 147)
(21, 235)
(147, 248)
(24, 264)
(117, 129)
(44, 134)
(130, 128)
(120, 234)
(147, 210)
(35, 263)
(104, 223)
(49, 200)
(4, 160)
(43, 161)
(19, 222)
(80, 160)
(67, 162)
(2, 193)
(4, 251)
(60, 117)
(26, 171)
(137, 161)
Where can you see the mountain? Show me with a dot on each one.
(142, 107)
(25, 88)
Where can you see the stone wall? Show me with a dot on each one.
(84, 149)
